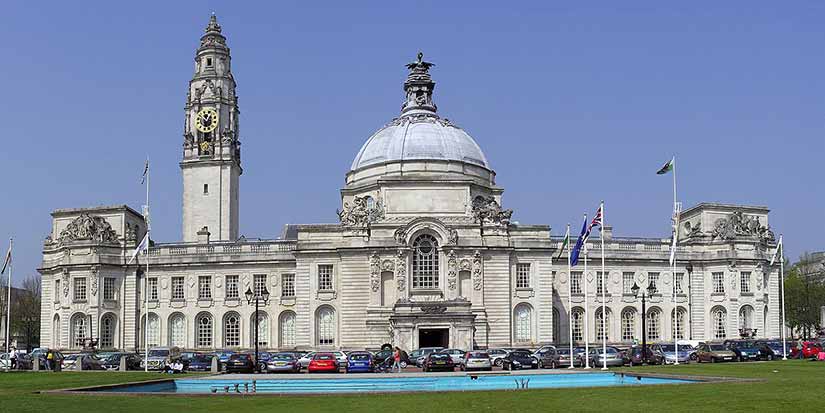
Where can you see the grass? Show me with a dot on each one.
(786, 385)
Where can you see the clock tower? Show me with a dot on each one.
(211, 164)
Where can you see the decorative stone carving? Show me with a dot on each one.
(375, 272)
(453, 237)
(466, 265)
(400, 235)
(433, 309)
(388, 265)
(478, 281)
(131, 232)
(739, 224)
(359, 214)
(65, 282)
(693, 230)
(48, 241)
(452, 270)
(88, 228)
(488, 211)
(401, 270)
(93, 288)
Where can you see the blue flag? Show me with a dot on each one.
(574, 256)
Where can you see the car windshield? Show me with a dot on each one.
(113, 358)
(201, 358)
(237, 356)
(520, 354)
(324, 357)
(359, 357)
(774, 344)
(564, 351)
(479, 355)
(717, 347)
(670, 347)
(283, 356)
(743, 344)
(439, 356)
(158, 353)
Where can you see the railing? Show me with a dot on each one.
(256, 247)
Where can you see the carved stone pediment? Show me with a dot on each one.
(91, 228)
(448, 235)
(740, 225)
(360, 214)
(487, 211)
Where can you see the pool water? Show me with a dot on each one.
(399, 384)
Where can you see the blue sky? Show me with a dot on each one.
(571, 104)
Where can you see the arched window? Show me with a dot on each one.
(203, 326)
(628, 324)
(556, 325)
(425, 262)
(79, 330)
(325, 325)
(679, 319)
(577, 318)
(523, 323)
(286, 325)
(177, 330)
(56, 339)
(746, 318)
(654, 324)
(718, 317)
(107, 331)
(153, 330)
(602, 328)
(263, 329)
(232, 330)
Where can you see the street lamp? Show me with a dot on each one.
(689, 268)
(650, 290)
(258, 298)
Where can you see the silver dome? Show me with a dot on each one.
(419, 137)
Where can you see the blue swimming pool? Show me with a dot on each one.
(393, 384)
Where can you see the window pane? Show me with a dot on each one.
(425, 262)
(523, 275)
(325, 278)
(288, 285)
(232, 286)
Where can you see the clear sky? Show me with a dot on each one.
(571, 104)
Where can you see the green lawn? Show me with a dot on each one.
(796, 385)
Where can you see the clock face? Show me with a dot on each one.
(207, 120)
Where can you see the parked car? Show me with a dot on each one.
(635, 357)
(305, 359)
(810, 349)
(223, 357)
(382, 355)
(201, 362)
(771, 349)
(280, 363)
(714, 353)
(519, 359)
(361, 361)
(670, 356)
(423, 352)
(745, 350)
(24, 361)
(541, 350)
(611, 357)
(548, 357)
(438, 361)
(88, 362)
(476, 360)
(323, 362)
(240, 363)
(456, 354)
(563, 358)
(157, 358)
(113, 361)
(496, 355)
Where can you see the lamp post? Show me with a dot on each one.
(689, 268)
(650, 290)
(262, 297)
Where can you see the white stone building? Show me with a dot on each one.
(423, 254)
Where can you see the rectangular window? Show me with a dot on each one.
(232, 287)
(153, 289)
(80, 289)
(204, 287)
(523, 275)
(601, 283)
(576, 282)
(745, 282)
(325, 277)
(718, 283)
(177, 288)
(628, 279)
(680, 280)
(56, 291)
(287, 285)
(259, 284)
(653, 279)
(109, 288)
(206, 189)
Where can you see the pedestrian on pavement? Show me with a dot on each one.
(396, 356)
(799, 354)
(13, 358)
(49, 359)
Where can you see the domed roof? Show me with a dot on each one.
(419, 133)
(419, 137)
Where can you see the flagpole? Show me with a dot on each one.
(676, 212)
(8, 300)
(604, 313)
(586, 317)
(146, 277)
(782, 289)
(569, 297)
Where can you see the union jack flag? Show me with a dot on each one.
(596, 222)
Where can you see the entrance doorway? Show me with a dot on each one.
(434, 337)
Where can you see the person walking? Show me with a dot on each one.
(799, 346)
(13, 359)
(396, 357)
(49, 359)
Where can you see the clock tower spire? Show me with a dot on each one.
(211, 163)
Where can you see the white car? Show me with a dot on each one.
(305, 359)
(341, 357)
(4, 361)
(455, 353)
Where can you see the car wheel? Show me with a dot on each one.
(498, 363)
(403, 364)
(713, 360)
(553, 364)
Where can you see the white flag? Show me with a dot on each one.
(675, 238)
(6, 261)
(776, 253)
(141, 247)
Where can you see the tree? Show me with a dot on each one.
(805, 294)
(25, 312)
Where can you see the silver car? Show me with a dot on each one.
(613, 358)
(456, 354)
(476, 360)
(497, 354)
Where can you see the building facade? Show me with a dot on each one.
(423, 254)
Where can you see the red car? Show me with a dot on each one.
(323, 362)
(810, 349)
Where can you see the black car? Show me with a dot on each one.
(771, 349)
(113, 361)
(549, 358)
(519, 359)
(745, 349)
(634, 356)
(240, 363)
(201, 362)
